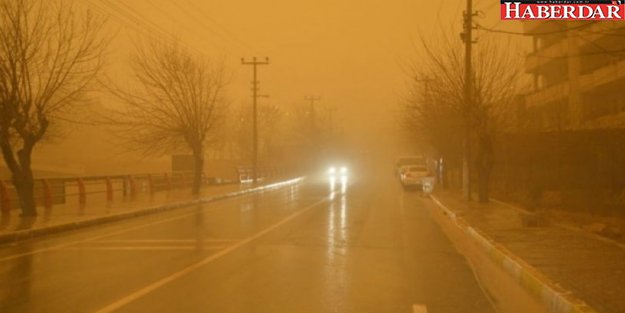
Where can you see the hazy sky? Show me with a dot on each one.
(348, 51)
(352, 53)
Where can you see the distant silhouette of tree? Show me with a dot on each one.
(437, 109)
(175, 103)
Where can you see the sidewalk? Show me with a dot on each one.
(97, 211)
(562, 259)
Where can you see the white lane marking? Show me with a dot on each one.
(416, 308)
(176, 217)
(166, 280)
(158, 241)
(61, 246)
(145, 248)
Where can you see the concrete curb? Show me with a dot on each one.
(53, 229)
(555, 298)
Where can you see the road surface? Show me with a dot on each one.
(363, 245)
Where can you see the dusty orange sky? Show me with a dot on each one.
(352, 53)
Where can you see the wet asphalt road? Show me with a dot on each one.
(363, 245)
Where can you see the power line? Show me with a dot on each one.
(200, 21)
(583, 54)
(490, 6)
(494, 30)
(141, 17)
(603, 33)
(137, 21)
(147, 21)
(185, 11)
(228, 34)
(618, 53)
(225, 33)
(599, 47)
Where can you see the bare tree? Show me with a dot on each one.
(49, 56)
(440, 113)
(177, 104)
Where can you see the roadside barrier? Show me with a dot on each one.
(106, 189)
(245, 174)
(47, 229)
(78, 190)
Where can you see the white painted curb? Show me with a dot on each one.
(555, 298)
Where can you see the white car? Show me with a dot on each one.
(405, 161)
(415, 176)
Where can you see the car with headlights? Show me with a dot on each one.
(337, 171)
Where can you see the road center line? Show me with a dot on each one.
(174, 241)
(164, 281)
(144, 248)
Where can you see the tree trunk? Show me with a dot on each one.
(484, 185)
(484, 166)
(25, 187)
(21, 175)
(198, 169)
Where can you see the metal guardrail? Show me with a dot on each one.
(245, 174)
(52, 191)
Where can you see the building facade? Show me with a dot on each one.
(578, 71)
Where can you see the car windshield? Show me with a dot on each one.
(417, 169)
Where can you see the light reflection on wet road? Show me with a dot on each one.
(336, 245)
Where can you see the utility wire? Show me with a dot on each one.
(617, 53)
(617, 56)
(489, 7)
(603, 33)
(153, 25)
(140, 17)
(187, 27)
(501, 31)
(224, 30)
(136, 21)
(582, 54)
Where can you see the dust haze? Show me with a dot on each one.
(355, 55)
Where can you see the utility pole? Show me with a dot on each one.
(255, 63)
(314, 137)
(331, 112)
(467, 38)
(312, 100)
(426, 80)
